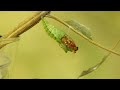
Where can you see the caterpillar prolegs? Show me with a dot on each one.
(61, 37)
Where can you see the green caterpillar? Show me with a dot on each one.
(61, 37)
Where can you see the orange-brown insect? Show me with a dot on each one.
(69, 43)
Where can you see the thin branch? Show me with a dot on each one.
(22, 23)
(89, 40)
(26, 25)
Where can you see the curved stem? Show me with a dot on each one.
(89, 40)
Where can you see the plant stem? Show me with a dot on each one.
(26, 25)
(89, 40)
(22, 23)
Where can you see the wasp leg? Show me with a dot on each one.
(63, 47)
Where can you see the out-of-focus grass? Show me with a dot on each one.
(36, 55)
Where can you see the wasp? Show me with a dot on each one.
(69, 43)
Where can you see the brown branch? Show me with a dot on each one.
(26, 25)
(83, 36)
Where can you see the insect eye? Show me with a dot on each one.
(76, 48)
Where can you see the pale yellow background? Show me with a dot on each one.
(37, 55)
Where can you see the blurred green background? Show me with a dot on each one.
(37, 55)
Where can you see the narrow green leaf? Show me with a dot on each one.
(90, 70)
(85, 72)
(80, 27)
